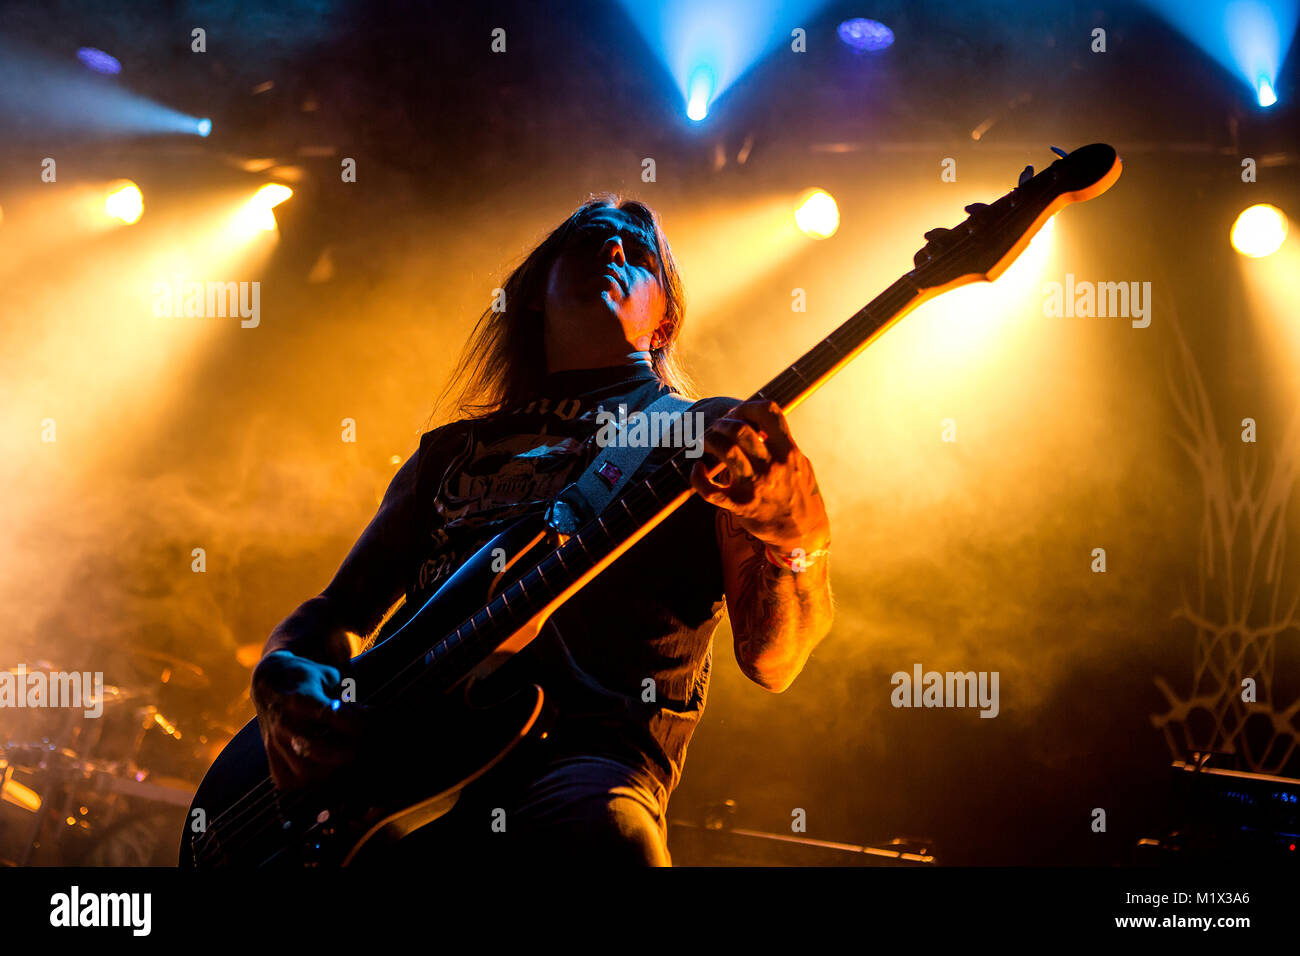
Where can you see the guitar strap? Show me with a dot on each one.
(609, 472)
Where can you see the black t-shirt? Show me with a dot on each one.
(650, 615)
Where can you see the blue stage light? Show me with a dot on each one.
(706, 46)
(865, 36)
(98, 60)
(203, 127)
(57, 96)
(700, 90)
(1250, 38)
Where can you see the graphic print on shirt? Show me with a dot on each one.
(510, 465)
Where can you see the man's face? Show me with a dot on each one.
(603, 295)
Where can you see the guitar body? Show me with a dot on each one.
(436, 741)
(369, 808)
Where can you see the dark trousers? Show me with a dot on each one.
(568, 810)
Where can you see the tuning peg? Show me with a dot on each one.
(1026, 174)
(976, 207)
(938, 235)
(1058, 151)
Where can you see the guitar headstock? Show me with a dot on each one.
(983, 246)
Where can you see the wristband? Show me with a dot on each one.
(797, 560)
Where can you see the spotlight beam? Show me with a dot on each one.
(1250, 38)
(707, 47)
(53, 96)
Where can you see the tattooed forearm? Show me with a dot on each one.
(779, 615)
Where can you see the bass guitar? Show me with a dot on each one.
(420, 677)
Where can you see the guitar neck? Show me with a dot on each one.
(818, 364)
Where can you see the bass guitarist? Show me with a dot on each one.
(591, 320)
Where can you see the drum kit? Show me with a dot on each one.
(111, 790)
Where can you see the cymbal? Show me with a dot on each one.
(109, 693)
(42, 666)
(113, 694)
(161, 666)
(175, 670)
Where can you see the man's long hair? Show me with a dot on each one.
(504, 361)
